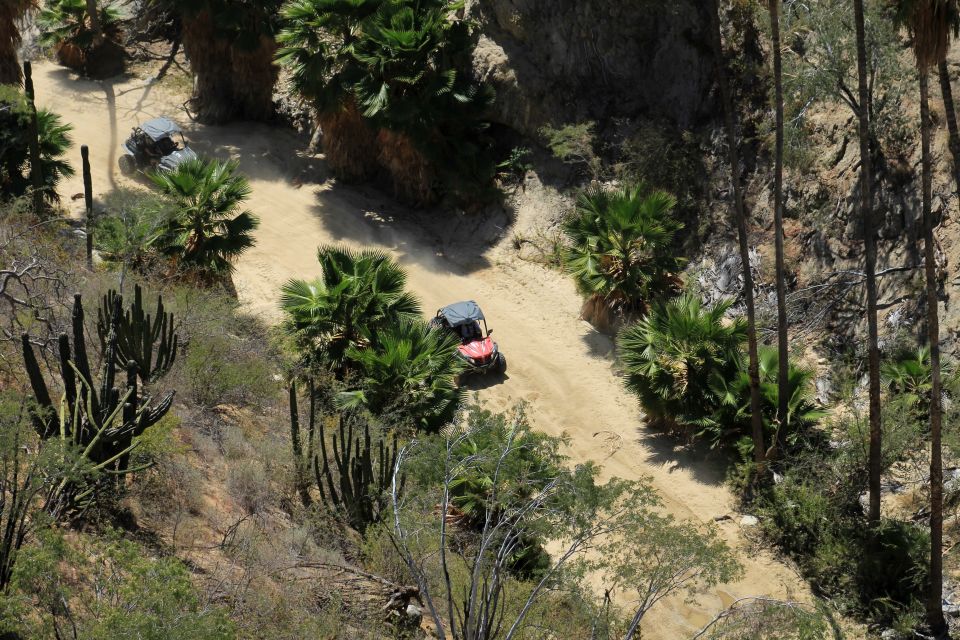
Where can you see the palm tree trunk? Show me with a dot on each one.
(949, 108)
(870, 249)
(783, 375)
(10, 42)
(740, 212)
(934, 597)
(95, 25)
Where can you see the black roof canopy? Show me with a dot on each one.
(460, 313)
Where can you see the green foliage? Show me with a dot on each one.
(130, 593)
(516, 164)
(405, 64)
(672, 355)
(732, 420)
(15, 147)
(751, 618)
(877, 572)
(517, 493)
(409, 374)
(129, 231)
(218, 370)
(621, 255)
(66, 22)
(205, 233)
(358, 296)
(820, 66)
(574, 144)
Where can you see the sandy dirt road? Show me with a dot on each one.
(557, 363)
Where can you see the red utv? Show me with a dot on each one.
(477, 349)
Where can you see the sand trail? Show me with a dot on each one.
(557, 364)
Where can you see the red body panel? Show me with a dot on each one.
(479, 350)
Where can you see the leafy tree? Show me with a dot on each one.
(531, 493)
(621, 254)
(205, 233)
(11, 13)
(674, 352)
(359, 295)
(733, 417)
(409, 373)
(230, 45)
(15, 147)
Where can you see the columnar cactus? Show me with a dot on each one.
(100, 424)
(138, 333)
(364, 470)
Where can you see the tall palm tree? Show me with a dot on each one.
(929, 22)
(230, 45)
(622, 255)
(672, 354)
(870, 259)
(11, 12)
(408, 376)
(950, 111)
(323, 71)
(358, 296)
(783, 344)
(740, 211)
(205, 233)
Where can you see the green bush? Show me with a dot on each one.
(127, 592)
(219, 371)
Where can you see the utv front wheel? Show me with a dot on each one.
(127, 165)
(501, 364)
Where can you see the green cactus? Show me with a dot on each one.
(364, 469)
(102, 424)
(138, 334)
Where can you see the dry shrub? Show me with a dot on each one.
(597, 312)
(249, 485)
(71, 56)
(411, 174)
(349, 144)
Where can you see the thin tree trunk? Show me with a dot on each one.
(949, 109)
(740, 212)
(870, 249)
(783, 344)
(934, 597)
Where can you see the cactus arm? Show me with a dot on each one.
(41, 424)
(80, 345)
(69, 376)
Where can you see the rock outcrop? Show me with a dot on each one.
(561, 61)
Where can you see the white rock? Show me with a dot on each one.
(749, 521)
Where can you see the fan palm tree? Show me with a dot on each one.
(870, 266)
(358, 296)
(671, 355)
(929, 22)
(73, 28)
(409, 375)
(415, 84)
(621, 254)
(11, 12)
(743, 238)
(205, 233)
(317, 44)
(734, 415)
(54, 138)
(231, 46)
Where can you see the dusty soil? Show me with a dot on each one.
(558, 365)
